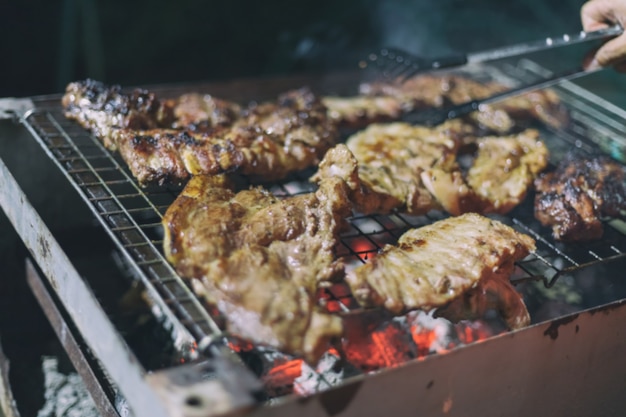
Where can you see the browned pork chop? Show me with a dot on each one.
(415, 169)
(427, 91)
(382, 164)
(170, 140)
(260, 259)
(498, 179)
(573, 198)
(433, 265)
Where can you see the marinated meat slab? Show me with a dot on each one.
(415, 168)
(503, 169)
(102, 109)
(172, 140)
(382, 164)
(259, 259)
(574, 197)
(203, 112)
(435, 265)
(360, 111)
(428, 91)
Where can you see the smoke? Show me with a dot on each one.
(417, 27)
(443, 27)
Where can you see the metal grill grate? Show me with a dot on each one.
(132, 215)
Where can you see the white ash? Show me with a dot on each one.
(65, 395)
(330, 371)
(445, 332)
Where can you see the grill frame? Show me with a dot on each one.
(121, 223)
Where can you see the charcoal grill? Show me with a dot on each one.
(555, 366)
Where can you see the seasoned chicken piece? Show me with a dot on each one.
(415, 169)
(266, 143)
(103, 109)
(498, 178)
(434, 265)
(269, 140)
(573, 198)
(260, 259)
(424, 91)
(171, 156)
(382, 164)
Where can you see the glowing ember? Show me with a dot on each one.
(438, 335)
(284, 374)
(431, 335)
(373, 341)
(384, 346)
(240, 346)
(337, 299)
(364, 249)
(474, 331)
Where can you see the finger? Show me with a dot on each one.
(612, 51)
(597, 14)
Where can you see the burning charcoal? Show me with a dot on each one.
(430, 334)
(475, 331)
(329, 371)
(438, 335)
(374, 342)
(280, 379)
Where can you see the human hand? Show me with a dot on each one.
(600, 14)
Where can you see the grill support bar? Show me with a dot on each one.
(122, 366)
(69, 342)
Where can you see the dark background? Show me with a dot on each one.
(44, 44)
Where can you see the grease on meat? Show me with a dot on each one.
(382, 164)
(574, 197)
(434, 265)
(260, 259)
(167, 140)
(415, 169)
(427, 91)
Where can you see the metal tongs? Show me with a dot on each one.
(399, 65)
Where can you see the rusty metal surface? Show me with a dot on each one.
(84, 309)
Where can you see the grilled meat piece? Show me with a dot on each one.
(170, 142)
(259, 259)
(573, 198)
(359, 111)
(171, 156)
(544, 105)
(498, 178)
(415, 168)
(203, 112)
(433, 265)
(494, 293)
(103, 109)
(382, 164)
(427, 91)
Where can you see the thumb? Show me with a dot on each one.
(612, 51)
